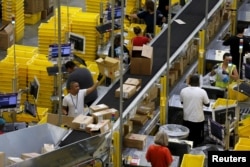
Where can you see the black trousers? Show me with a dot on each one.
(196, 131)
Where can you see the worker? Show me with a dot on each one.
(117, 50)
(158, 153)
(84, 79)
(73, 102)
(2, 124)
(163, 7)
(193, 98)
(226, 72)
(148, 17)
(139, 39)
(234, 43)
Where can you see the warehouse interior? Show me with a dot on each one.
(122, 123)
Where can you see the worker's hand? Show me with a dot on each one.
(100, 76)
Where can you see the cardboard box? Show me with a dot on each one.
(6, 36)
(2, 159)
(139, 119)
(82, 121)
(133, 81)
(29, 155)
(152, 94)
(33, 6)
(127, 127)
(108, 67)
(66, 121)
(178, 65)
(141, 61)
(146, 108)
(14, 160)
(105, 114)
(128, 91)
(98, 107)
(101, 127)
(135, 141)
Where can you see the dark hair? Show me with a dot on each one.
(226, 55)
(194, 80)
(70, 64)
(117, 40)
(240, 29)
(137, 30)
(150, 5)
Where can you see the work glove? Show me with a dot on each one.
(226, 79)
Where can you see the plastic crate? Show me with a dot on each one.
(223, 103)
(244, 131)
(193, 160)
(32, 18)
(240, 147)
(244, 141)
(25, 117)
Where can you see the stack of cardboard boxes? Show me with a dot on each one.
(130, 87)
(98, 122)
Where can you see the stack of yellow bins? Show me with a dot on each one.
(93, 6)
(37, 66)
(23, 55)
(84, 24)
(14, 9)
(7, 73)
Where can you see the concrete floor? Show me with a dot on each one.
(31, 31)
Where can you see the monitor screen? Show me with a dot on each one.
(34, 88)
(117, 13)
(65, 50)
(8, 100)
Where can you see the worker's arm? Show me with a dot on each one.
(133, 16)
(92, 88)
(235, 74)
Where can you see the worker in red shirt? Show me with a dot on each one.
(139, 40)
(158, 153)
(2, 123)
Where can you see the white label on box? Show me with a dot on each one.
(125, 94)
(100, 118)
(106, 72)
(82, 126)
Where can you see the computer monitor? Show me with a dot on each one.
(34, 88)
(65, 50)
(117, 13)
(219, 115)
(8, 100)
(77, 41)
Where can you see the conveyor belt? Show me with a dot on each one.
(193, 15)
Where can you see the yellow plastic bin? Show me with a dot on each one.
(223, 103)
(240, 147)
(193, 160)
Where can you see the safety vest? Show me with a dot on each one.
(219, 78)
